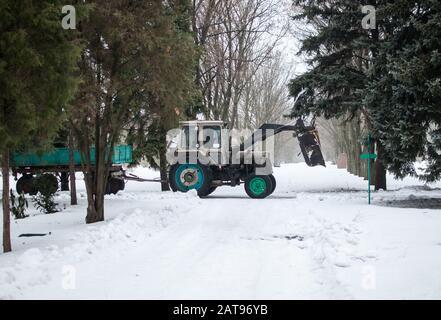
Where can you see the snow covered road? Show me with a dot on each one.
(314, 238)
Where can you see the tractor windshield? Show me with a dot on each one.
(189, 137)
(212, 137)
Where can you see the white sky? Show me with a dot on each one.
(289, 45)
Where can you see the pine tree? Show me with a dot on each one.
(171, 91)
(37, 60)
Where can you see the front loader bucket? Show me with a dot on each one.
(309, 142)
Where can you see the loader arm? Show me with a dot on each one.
(307, 136)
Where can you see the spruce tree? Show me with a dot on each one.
(37, 60)
(171, 91)
(341, 54)
(390, 74)
(405, 101)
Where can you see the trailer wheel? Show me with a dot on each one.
(273, 182)
(26, 185)
(114, 185)
(64, 181)
(258, 187)
(192, 176)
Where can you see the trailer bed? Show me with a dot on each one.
(59, 157)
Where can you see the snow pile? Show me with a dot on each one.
(37, 266)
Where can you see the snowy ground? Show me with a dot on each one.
(314, 238)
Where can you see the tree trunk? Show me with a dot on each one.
(95, 210)
(163, 163)
(91, 215)
(5, 200)
(64, 179)
(95, 201)
(73, 185)
(380, 170)
(163, 172)
(99, 207)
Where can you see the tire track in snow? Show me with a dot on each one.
(333, 246)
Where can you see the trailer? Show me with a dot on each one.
(56, 162)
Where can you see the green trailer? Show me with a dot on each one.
(57, 162)
(60, 157)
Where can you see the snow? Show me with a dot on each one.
(314, 238)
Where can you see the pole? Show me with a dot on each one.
(369, 167)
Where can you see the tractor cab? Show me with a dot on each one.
(201, 140)
(197, 134)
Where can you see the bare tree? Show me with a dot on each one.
(237, 37)
(265, 97)
(344, 136)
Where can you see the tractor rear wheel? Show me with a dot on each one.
(258, 187)
(171, 177)
(187, 177)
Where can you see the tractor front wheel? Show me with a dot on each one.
(273, 182)
(258, 187)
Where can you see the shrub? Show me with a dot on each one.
(47, 185)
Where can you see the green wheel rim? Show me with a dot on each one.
(258, 186)
(199, 178)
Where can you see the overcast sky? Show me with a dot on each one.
(289, 45)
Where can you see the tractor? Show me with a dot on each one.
(206, 155)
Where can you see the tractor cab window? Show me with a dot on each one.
(189, 137)
(212, 137)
